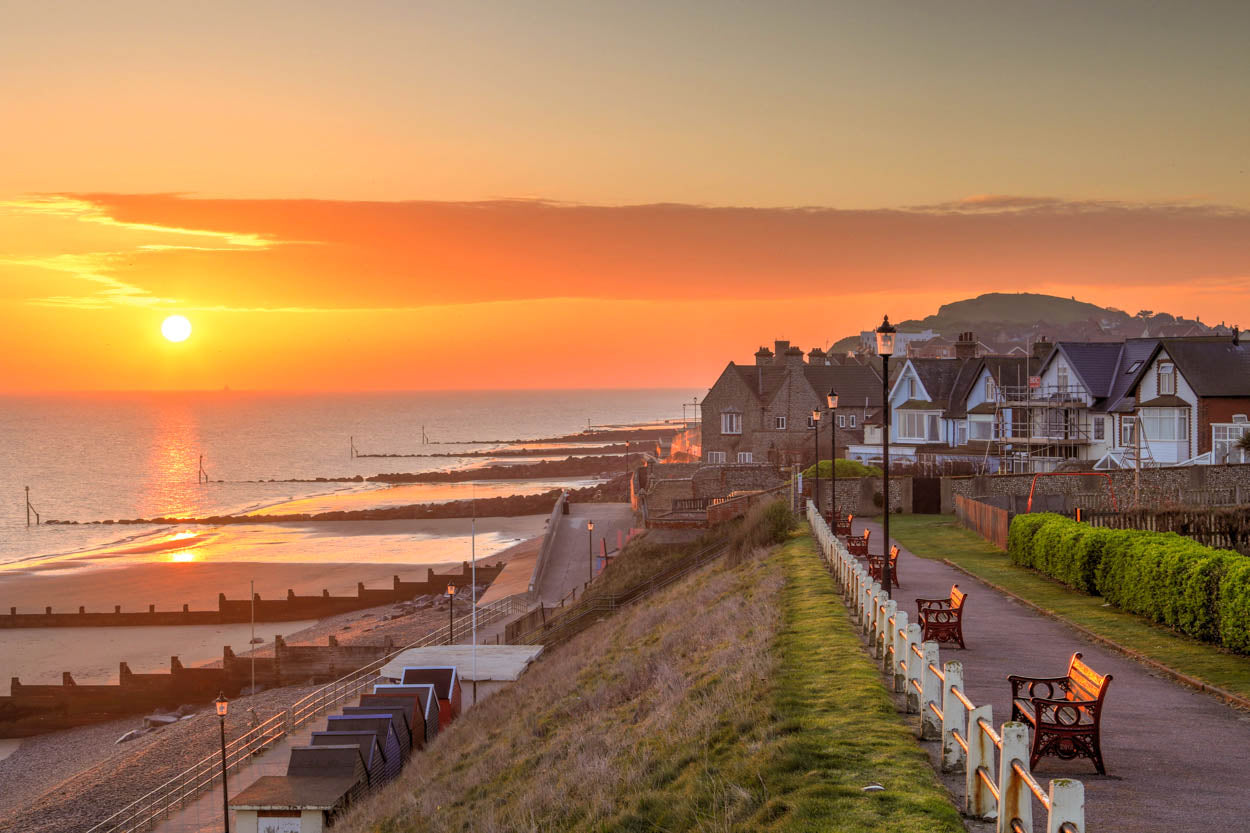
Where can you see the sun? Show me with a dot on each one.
(176, 328)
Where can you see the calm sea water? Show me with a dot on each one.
(97, 456)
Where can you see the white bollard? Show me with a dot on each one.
(930, 692)
(1015, 799)
(1067, 805)
(913, 668)
(980, 801)
(888, 617)
(898, 638)
(952, 715)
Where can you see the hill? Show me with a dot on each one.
(1005, 320)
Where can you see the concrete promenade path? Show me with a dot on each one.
(1177, 760)
(569, 564)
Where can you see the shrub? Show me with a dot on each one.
(846, 468)
(764, 525)
(1198, 590)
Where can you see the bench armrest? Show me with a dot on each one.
(1032, 683)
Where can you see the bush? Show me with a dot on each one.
(846, 468)
(1198, 590)
(766, 524)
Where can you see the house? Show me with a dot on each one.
(762, 413)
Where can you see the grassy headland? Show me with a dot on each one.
(941, 537)
(737, 699)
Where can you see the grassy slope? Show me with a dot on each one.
(739, 699)
(939, 536)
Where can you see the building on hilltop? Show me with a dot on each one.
(761, 413)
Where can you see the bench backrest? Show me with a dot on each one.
(893, 553)
(867, 532)
(1083, 682)
(957, 596)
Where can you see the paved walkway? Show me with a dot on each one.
(569, 564)
(1176, 759)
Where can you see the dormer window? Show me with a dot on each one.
(1167, 378)
(911, 388)
(990, 393)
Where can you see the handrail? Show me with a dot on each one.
(200, 776)
(936, 690)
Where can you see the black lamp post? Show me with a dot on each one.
(223, 706)
(816, 471)
(885, 349)
(451, 615)
(832, 401)
(590, 541)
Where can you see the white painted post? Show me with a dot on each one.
(979, 800)
(898, 638)
(913, 668)
(888, 617)
(1067, 805)
(1015, 799)
(930, 692)
(952, 715)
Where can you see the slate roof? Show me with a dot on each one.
(854, 383)
(938, 377)
(1094, 362)
(1166, 401)
(326, 761)
(306, 792)
(1212, 366)
(1120, 399)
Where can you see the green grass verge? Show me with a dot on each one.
(837, 729)
(941, 537)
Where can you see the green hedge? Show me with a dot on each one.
(846, 468)
(1198, 590)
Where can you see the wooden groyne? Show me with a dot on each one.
(238, 611)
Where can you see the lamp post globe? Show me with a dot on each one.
(832, 400)
(885, 349)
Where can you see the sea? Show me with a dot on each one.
(98, 456)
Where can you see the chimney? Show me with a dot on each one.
(1236, 337)
(1041, 348)
(966, 347)
(763, 357)
(780, 348)
(816, 357)
(794, 357)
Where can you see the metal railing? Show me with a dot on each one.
(200, 777)
(1004, 791)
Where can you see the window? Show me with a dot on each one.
(842, 420)
(981, 429)
(1165, 424)
(744, 456)
(990, 394)
(1100, 428)
(1134, 367)
(1127, 424)
(779, 423)
(730, 423)
(1061, 377)
(911, 388)
(961, 432)
(716, 456)
(811, 423)
(918, 425)
(1224, 437)
(1167, 380)
(852, 420)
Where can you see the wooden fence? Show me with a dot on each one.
(990, 522)
(998, 783)
(1221, 528)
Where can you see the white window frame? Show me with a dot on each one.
(1227, 444)
(730, 422)
(841, 420)
(924, 420)
(811, 423)
(852, 420)
(1167, 425)
(1100, 428)
(990, 393)
(716, 457)
(745, 457)
(911, 388)
(779, 423)
(1128, 427)
(1167, 371)
(1062, 380)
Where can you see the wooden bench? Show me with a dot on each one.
(858, 546)
(842, 526)
(875, 562)
(942, 620)
(1065, 712)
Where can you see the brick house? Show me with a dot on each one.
(762, 413)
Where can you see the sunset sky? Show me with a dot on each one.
(451, 195)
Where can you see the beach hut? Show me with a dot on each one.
(399, 717)
(370, 750)
(446, 684)
(381, 725)
(429, 703)
(320, 783)
(412, 704)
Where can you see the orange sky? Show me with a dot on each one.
(304, 294)
(555, 193)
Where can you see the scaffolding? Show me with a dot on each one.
(1034, 429)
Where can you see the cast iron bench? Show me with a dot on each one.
(1065, 712)
(875, 562)
(858, 546)
(842, 526)
(942, 620)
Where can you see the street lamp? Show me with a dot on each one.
(590, 540)
(451, 616)
(816, 471)
(885, 349)
(223, 706)
(832, 401)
